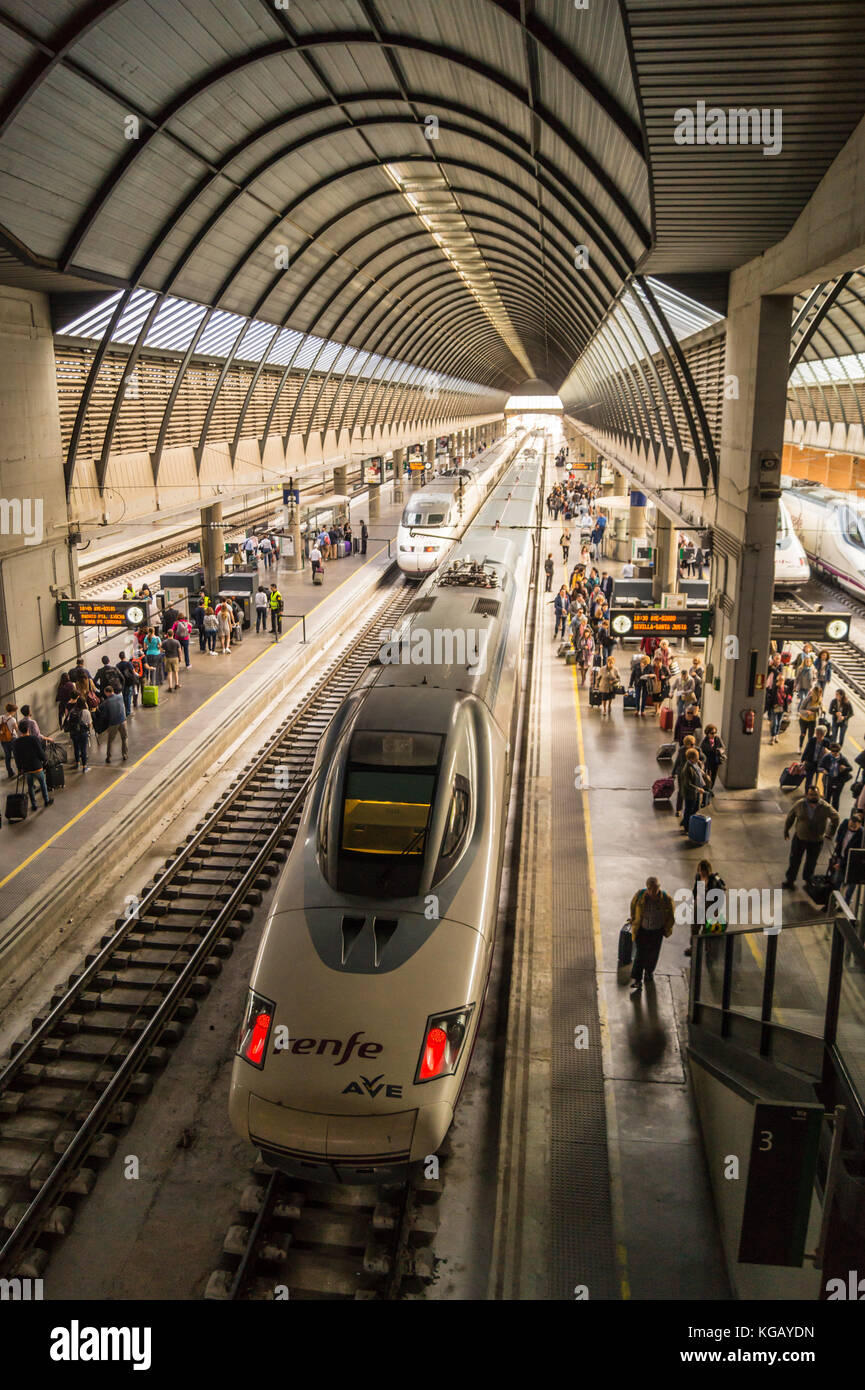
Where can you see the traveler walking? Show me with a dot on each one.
(171, 650)
(836, 772)
(224, 623)
(565, 543)
(262, 604)
(153, 658)
(182, 631)
(694, 785)
(211, 627)
(107, 675)
(129, 676)
(363, 537)
(265, 550)
(115, 715)
(812, 756)
(8, 733)
(714, 753)
(811, 819)
(805, 681)
(80, 726)
(561, 605)
(808, 714)
(66, 693)
(548, 571)
(198, 615)
(30, 761)
(609, 684)
(840, 712)
(651, 917)
(851, 835)
(688, 723)
(709, 915)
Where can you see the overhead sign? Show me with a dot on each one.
(416, 465)
(96, 612)
(289, 495)
(660, 622)
(810, 627)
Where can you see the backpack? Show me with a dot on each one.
(5, 731)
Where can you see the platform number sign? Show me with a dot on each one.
(780, 1183)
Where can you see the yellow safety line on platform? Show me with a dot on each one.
(616, 1189)
(143, 759)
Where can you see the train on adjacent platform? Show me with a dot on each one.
(831, 527)
(436, 516)
(368, 987)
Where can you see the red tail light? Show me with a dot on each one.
(255, 1029)
(434, 1053)
(443, 1039)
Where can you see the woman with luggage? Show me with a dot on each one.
(8, 733)
(805, 681)
(824, 670)
(809, 712)
(714, 753)
(152, 658)
(66, 693)
(694, 786)
(584, 644)
(851, 835)
(609, 683)
(688, 723)
(710, 913)
(224, 623)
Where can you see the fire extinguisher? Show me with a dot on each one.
(747, 721)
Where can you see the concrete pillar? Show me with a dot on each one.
(430, 452)
(620, 486)
(212, 546)
(36, 555)
(340, 478)
(398, 477)
(637, 517)
(293, 552)
(757, 357)
(665, 578)
(374, 501)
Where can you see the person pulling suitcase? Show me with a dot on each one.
(652, 916)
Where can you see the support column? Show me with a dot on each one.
(374, 501)
(665, 578)
(637, 517)
(398, 478)
(757, 358)
(340, 478)
(430, 453)
(212, 546)
(620, 486)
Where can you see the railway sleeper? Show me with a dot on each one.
(80, 1185)
(57, 1222)
(272, 1248)
(156, 975)
(177, 941)
(104, 1048)
(287, 1208)
(100, 1150)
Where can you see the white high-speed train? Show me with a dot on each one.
(437, 515)
(831, 527)
(369, 983)
(792, 570)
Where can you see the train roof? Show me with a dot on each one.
(821, 495)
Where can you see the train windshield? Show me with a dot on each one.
(853, 527)
(388, 795)
(417, 516)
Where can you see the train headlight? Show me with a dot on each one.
(443, 1038)
(430, 549)
(255, 1029)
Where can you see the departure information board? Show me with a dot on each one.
(102, 612)
(660, 622)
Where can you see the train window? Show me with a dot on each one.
(413, 517)
(386, 811)
(851, 525)
(458, 819)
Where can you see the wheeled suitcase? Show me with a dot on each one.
(819, 889)
(626, 945)
(792, 775)
(356, 544)
(348, 548)
(666, 720)
(317, 577)
(594, 697)
(630, 700)
(571, 658)
(54, 776)
(663, 788)
(17, 805)
(666, 752)
(699, 828)
(150, 695)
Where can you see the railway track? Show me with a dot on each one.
(73, 1082)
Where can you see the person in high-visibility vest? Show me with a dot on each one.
(275, 611)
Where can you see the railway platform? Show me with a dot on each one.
(601, 1160)
(53, 860)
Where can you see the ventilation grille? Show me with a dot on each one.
(489, 607)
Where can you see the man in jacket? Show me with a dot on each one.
(810, 818)
(812, 756)
(561, 604)
(107, 675)
(275, 601)
(114, 713)
(130, 682)
(836, 772)
(548, 571)
(364, 536)
(606, 586)
(651, 916)
(30, 761)
(851, 835)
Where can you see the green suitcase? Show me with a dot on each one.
(150, 695)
